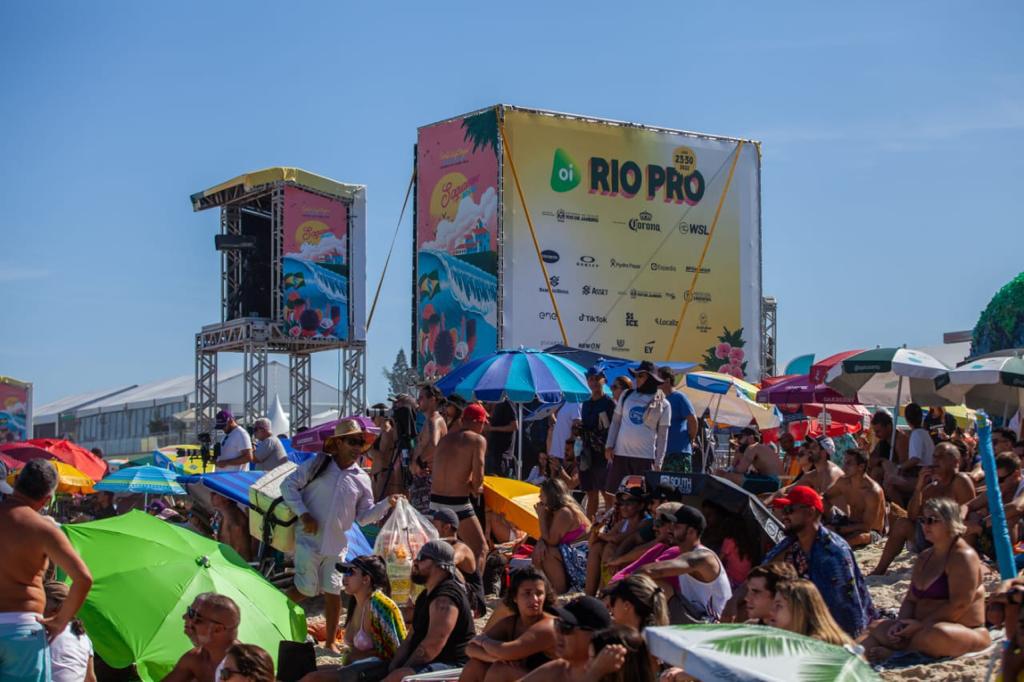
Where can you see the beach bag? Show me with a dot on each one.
(399, 540)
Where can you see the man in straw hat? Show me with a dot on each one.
(328, 492)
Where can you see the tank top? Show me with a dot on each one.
(707, 599)
(454, 650)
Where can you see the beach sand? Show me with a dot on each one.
(887, 592)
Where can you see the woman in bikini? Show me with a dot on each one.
(560, 553)
(513, 646)
(943, 613)
(374, 627)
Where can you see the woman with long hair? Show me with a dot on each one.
(799, 608)
(374, 627)
(619, 654)
(943, 612)
(560, 552)
(638, 602)
(515, 645)
(71, 653)
(247, 663)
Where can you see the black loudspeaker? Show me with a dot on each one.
(255, 288)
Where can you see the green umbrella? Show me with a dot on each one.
(146, 572)
(754, 653)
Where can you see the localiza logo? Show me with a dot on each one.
(644, 223)
(565, 173)
(665, 322)
(550, 256)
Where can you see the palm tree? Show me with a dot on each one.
(482, 129)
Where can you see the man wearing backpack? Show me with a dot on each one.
(328, 493)
(638, 434)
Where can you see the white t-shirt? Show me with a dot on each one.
(562, 430)
(69, 656)
(231, 446)
(922, 447)
(635, 438)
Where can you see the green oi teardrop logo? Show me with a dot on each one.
(565, 174)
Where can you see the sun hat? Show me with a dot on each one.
(648, 366)
(346, 428)
(800, 494)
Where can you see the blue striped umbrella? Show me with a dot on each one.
(521, 376)
(148, 479)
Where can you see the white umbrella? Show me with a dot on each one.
(993, 384)
(889, 376)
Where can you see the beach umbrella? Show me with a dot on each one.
(60, 450)
(799, 390)
(146, 572)
(69, 479)
(146, 479)
(994, 384)
(888, 376)
(729, 400)
(754, 653)
(515, 500)
(821, 367)
(519, 376)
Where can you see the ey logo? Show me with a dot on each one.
(565, 174)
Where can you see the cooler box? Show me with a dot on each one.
(264, 497)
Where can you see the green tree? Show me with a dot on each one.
(401, 378)
(482, 130)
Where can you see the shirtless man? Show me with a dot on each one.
(943, 479)
(825, 473)
(756, 468)
(459, 474)
(211, 623)
(30, 541)
(234, 526)
(864, 520)
(422, 461)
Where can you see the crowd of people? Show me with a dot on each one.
(614, 554)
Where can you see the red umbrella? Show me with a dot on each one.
(820, 369)
(61, 450)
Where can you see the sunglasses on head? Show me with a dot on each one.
(194, 614)
(565, 628)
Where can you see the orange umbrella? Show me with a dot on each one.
(69, 479)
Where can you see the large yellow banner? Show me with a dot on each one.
(622, 214)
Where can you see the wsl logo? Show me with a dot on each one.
(565, 173)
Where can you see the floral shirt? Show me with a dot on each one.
(833, 570)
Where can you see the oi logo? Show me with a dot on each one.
(565, 174)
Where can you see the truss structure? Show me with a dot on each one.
(300, 385)
(769, 334)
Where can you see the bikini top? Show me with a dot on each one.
(574, 535)
(939, 589)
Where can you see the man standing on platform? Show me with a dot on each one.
(328, 493)
(638, 434)
(269, 452)
(30, 542)
(236, 448)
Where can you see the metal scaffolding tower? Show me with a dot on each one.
(769, 331)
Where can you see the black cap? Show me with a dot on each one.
(748, 431)
(445, 515)
(633, 492)
(587, 613)
(691, 516)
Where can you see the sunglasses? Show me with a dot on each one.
(194, 614)
(354, 441)
(790, 508)
(228, 673)
(929, 520)
(566, 628)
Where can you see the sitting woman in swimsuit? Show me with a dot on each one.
(516, 644)
(943, 613)
(374, 627)
(563, 525)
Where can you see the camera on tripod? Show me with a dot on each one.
(204, 448)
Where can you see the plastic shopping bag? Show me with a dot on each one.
(399, 540)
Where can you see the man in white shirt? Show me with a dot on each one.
(638, 433)
(900, 480)
(269, 453)
(328, 493)
(236, 448)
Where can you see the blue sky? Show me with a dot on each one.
(893, 142)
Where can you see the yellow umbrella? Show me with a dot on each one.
(515, 500)
(69, 479)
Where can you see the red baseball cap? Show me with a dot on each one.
(801, 494)
(474, 412)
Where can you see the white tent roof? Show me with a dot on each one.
(49, 411)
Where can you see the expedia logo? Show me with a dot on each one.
(586, 262)
(623, 265)
(664, 322)
(550, 256)
(661, 267)
(593, 291)
(689, 228)
(644, 223)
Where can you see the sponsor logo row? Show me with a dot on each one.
(550, 256)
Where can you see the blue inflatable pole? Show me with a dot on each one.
(1000, 533)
